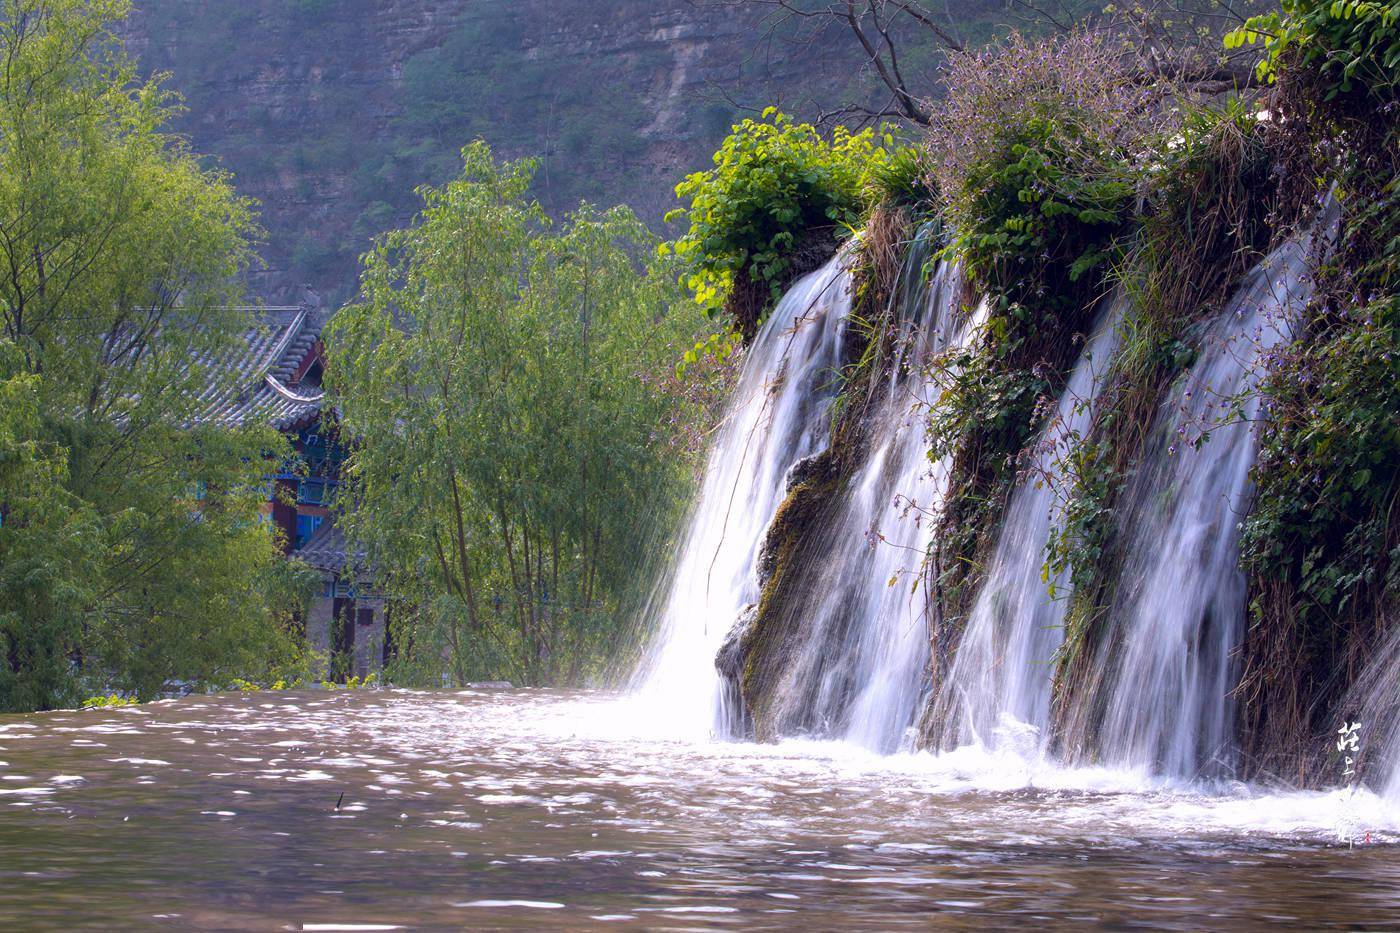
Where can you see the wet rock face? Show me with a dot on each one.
(330, 112)
(737, 720)
(730, 660)
(805, 471)
(753, 659)
(792, 556)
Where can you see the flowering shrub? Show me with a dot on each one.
(1035, 152)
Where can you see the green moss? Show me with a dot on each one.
(765, 653)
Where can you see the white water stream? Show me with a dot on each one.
(778, 416)
(997, 692)
(1157, 713)
(1164, 686)
(865, 641)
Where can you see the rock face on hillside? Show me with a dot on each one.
(330, 112)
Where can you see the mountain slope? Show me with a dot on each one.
(330, 112)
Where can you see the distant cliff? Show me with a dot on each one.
(330, 112)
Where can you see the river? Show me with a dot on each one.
(503, 809)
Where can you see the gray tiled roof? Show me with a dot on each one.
(325, 549)
(273, 352)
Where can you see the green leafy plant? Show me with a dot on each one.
(355, 682)
(1349, 43)
(513, 382)
(1038, 151)
(1322, 541)
(1330, 463)
(903, 178)
(111, 701)
(124, 288)
(779, 189)
(1036, 156)
(1202, 225)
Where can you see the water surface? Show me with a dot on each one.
(512, 809)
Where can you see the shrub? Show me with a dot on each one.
(1203, 226)
(1350, 44)
(778, 190)
(519, 546)
(1035, 152)
(1330, 462)
(904, 178)
(111, 701)
(1328, 469)
(1321, 539)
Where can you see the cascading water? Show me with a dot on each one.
(778, 416)
(864, 638)
(998, 689)
(849, 659)
(1161, 688)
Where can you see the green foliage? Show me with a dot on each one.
(48, 549)
(775, 187)
(1329, 467)
(979, 398)
(1348, 43)
(1322, 542)
(1202, 225)
(1028, 208)
(367, 682)
(1036, 155)
(903, 178)
(111, 701)
(121, 250)
(514, 383)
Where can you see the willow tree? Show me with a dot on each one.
(119, 258)
(505, 384)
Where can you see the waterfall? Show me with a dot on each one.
(778, 416)
(1165, 676)
(998, 688)
(845, 650)
(864, 632)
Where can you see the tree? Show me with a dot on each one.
(885, 30)
(47, 551)
(515, 447)
(119, 262)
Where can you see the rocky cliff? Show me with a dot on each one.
(330, 112)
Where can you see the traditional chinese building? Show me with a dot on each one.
(281, 384)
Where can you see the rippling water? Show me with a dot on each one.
(501, 809)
